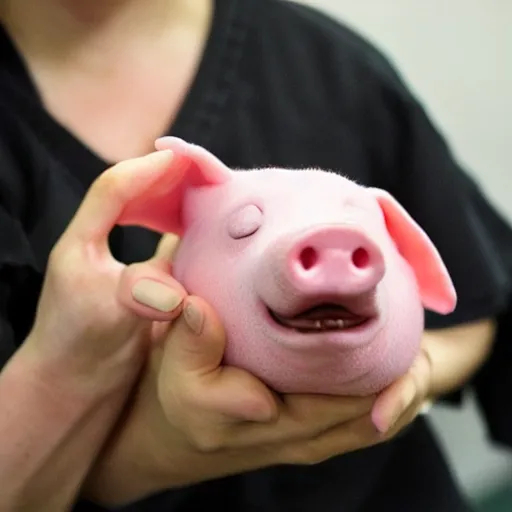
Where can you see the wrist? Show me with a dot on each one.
(134, 462)
(61, 425)
(86, 381)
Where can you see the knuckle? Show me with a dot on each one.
(107, 182)
(310, 428)
(184, 409)
(65, 268)
(58, 254)
(205, 440)
(60, 261)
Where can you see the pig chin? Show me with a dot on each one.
(319, 320)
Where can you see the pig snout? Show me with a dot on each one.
(337, 256)
(323, 262)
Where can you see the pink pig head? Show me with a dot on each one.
(321, 283)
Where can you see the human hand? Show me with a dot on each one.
(90, 326)
(448, 359)
(62, 391)
(399, 404)
(193, 419)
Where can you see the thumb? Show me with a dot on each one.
(196, 340)
(195, 348)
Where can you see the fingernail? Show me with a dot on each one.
(194, 318)
(156, 295)
(408, 398)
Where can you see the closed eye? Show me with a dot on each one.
(245, 222)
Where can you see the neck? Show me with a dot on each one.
(54, 27)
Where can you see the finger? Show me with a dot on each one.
(302, 417)
(112, 192)
(402, 394)
(167, 248)
(235, 395)
(196, 341)
(342, 439)
(149, 291)
(191, 368)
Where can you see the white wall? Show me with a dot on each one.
(457, 57)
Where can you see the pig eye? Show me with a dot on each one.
(245, 222)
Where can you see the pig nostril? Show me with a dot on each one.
(308, 258)
(360, 258)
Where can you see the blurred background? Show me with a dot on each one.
(457, 56)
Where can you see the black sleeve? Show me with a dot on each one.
(473, 239)
(493, 383)
(409, 157)
(427, 180)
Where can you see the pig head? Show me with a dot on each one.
(321, 283)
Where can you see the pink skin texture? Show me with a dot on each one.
(321, 283)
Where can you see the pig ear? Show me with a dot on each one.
(160, 207)
(435, 285)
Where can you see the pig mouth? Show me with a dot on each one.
(321, 318)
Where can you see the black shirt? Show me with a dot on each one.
(279, 84)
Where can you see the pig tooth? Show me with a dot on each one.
(331, 323)
(326, 324)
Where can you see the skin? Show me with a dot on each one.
(64, 388)
(82, 69)
(112, 425)
(284, 434)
